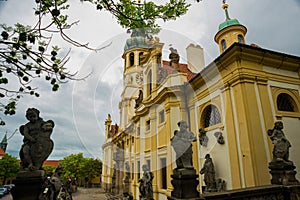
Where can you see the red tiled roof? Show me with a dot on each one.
(2, 152)
(53, 163)
(182, 68)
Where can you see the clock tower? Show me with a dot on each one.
(135, 51)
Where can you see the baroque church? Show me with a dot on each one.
(229, 105)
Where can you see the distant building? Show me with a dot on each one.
(239, 96)
(2, 153)
(53, 163)
(4, 143)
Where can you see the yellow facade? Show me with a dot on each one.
(239, 94)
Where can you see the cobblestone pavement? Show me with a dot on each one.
(89, 194)
(81, 194)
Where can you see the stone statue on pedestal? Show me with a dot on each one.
(281, 144)
(37, 144)
(184, 177)
(145, 188)
(182, 144)
(281, 168)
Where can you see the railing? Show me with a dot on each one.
(269, 192)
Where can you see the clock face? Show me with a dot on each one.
(139, 78)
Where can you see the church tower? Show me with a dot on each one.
(135, 51)
(4, 143)
(229, 32)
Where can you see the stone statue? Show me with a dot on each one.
(113, 178)
(281, 168)
(127, 170)
(139, 100)
(174, 59)
(220, 185)
(126, 194)
(182, 144)
(203, 137)
(281, 144)
(37, 144)
(208, 170)
(145, 187)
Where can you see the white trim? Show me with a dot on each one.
(271, 102)
(225, 134)
(262, 121)
(198, 146)
(207, 98)
(283, 85)
(237, 134)
(280, 71)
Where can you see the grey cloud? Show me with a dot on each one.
(79, 108)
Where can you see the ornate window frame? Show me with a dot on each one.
(202, 113)
(294, 95)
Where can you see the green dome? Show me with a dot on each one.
(138, 39)
(136, 42)
(228, 22)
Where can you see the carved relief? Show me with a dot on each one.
(203, 137)
(220, 138)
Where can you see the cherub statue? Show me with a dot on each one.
(220, 138)
(281, 144)
(182, 144)
(37, 144)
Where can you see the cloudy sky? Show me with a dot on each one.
(79, 108)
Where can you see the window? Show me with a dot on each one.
(138, 130)
(241, 39)
(148, 125)
(131, 59)
(163, 173)
(132, 170)
(211, 116)
(161, 117)
(149, 81)
(139, 169)
(285, 103)
(223, 43)
(140, 55)
(149, 165)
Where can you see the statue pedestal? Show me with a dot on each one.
(185, 184)
(283, 173)
(28, 185)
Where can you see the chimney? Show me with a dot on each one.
(195, 58)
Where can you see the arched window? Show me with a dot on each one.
(223, 43)
(131, 59)
(140, 55)
(211, 116)
(241, 39)
(149, 82)
(286, 103)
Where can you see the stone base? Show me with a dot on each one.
(127, 196)
(283, 173)
(28, 185)
(185, 184)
